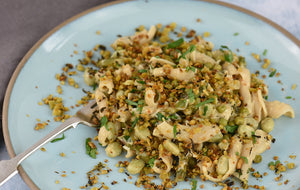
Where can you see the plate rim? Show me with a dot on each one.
(27, 56)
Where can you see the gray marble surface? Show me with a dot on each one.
(22, 23)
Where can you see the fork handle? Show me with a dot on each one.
(8, 168)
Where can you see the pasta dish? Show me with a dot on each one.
(182, 109)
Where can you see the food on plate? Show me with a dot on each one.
(182, 108)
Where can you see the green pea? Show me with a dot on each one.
(267, 124)
(223, 122)
(244, 111)
(257, 159)
(208, 65)
(221, 108)
(239, 120)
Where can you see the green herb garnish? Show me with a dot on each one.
(205, 110)
(160, 116)
(175, 130)
(103, 122)
(191, 95)
(236, 34)
(141, 82)
(288, 97)
(151, 162)
(143, 71)
(205, 102)
(253, 137)
(190, 50)
(58, 139)
(173, 116)
(190, 68)
(265, 52)
(91, 151)
(228, 56)
(272, 73)
(245, 159)
(132, 103)
(194, 184)
(95, 86)
(176, 43)
(231, 129)
(135, 122)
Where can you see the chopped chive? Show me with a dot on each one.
(253, 137)
(160, 116)
(205, 110)
(194, 184)
(141, 82)
(236, 34)
(94, 86)
(265, 52)
(266, 97)
(237, 153)
(205, 102)
(134, 122)
(132, 103)
(272, 73)
(58, 139)
(191, 95)
(175, 130)
(176, 43)
(143, 71)
(288, 97)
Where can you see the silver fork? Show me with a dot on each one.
(8, 168)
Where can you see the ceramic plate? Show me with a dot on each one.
(34, 79)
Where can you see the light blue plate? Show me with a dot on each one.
(47, 60)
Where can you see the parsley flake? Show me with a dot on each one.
(194, 184)
(91, 149)
(231, 129)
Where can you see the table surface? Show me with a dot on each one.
(23, 23)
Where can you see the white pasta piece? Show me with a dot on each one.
(122, 41)
(151, 32)
(259, 107)
(150, 110)
(231, 70)
(161, 61)
(106, 85)
(245, 86)
(144, 37)
(125, 69)
(101, 100)
(226, 114)
(165, 158)
(149, 97)
(277, 109)
(198, 134)
(204, 133)
(250, 150)
(196, 56)
(182, 74)
(206, 167)
(124, 114)
(103, 136)
(130, 152)
(165, 130)
(158, 72)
